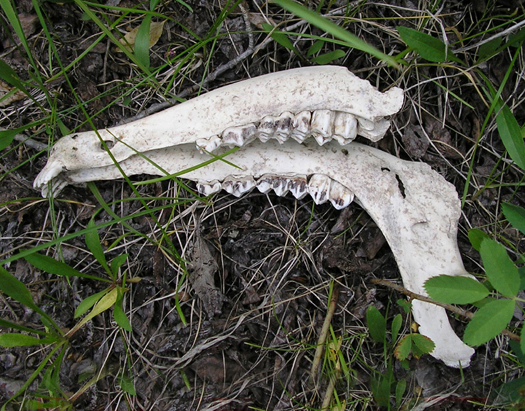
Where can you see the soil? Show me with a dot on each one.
(240, 333)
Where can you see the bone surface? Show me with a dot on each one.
(242, 104)
(415, 208)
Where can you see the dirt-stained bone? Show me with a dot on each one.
(416, 209)
(201, 119)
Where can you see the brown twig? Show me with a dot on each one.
(449, 307)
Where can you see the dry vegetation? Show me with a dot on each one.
(248, 342)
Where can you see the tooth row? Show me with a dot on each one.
(320, 187)
(323, 125)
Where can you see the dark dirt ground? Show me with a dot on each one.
(275, 258)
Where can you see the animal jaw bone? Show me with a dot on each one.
(415, 208)
(322, 101)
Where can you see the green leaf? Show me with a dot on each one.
(489, 49)
(9, 76)
(106, 302)
(118, 312)
(316, 47)
(500, 270)
(15, 289)
(9, 340)
(421, 345)
(89, 302)
(376, 324)
(522, 341)
(455, 289)
(405, 305)
(329, 27)
(401, 387)
(93, 243)
(514, 215)
(15, 326)
(6, 138)
(428, 47)
(117, 262)
(510, 134)
(516, 348)
(476, 236)
(52, 266)
(489, 321)
(279, 37)
(396, 326)
(403, 348)
(126, 383)
(511, 392)
(142, 42)
(329, 57)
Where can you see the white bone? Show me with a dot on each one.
(238, 185)
(203, 144)
(299, 186)
(322, 123)
(207, 188)
(294, 91)
(419, 220)
(238, 136)
(301, 126)
(319, 188)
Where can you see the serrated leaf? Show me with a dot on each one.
(93, 243)
(9, 340)
(514, 215)
(455, 289)
(396, 326)
(476, 236)
(500, 270)
(428, 47)
(52, 266)
(89, 302)
(329, 57)
(510, 133)
(376, 324)
(421, 345)
(403, 347)
(489, 321)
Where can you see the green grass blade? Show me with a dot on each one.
(93, 243)
(14, 326)
(501, 271)
(326, 25)
(142, 42)
(52, 266)
(489, 321)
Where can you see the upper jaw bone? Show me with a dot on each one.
(415, 208)
(247, 102)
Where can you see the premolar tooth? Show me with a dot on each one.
(345, 127)
(208, 144)
(280, 186)
(340, 196)
(266, 128)
(301, 126)
(238, 186)
(207, 188)
(239, 136)
(319, 188)
(322, 122)
(298, 186)
(283, 126)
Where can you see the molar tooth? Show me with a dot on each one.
(266, 128)
(340, 196)
(301, 126)
(319, 187)
(298, 186)
(345, 127)
(207, 188)
(283, 126)
(239, 136)
(322, 122)
(280, 186)
(238, 186)
(264, 184)
(208, 144)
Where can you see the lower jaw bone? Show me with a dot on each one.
(415, 208)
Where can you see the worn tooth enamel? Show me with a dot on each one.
(239, 136)
(305, 89)
(283, 126)
(319, 188)
(266, 128)
(208, 144)
(207, 188)
(301, 126)
(345, 128)
(298, 186)
(340, 196)
(264, 184)
(280, 186)
(321, 126)
(238, 186)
